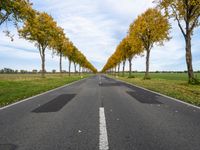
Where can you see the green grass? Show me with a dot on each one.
(172, 84)
(15, 87)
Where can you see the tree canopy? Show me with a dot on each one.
(44, 32)
(186, 13)
(150, 28)
(15, 10)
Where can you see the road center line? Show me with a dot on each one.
(100, 80)
(103, 137)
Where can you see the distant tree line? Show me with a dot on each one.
(12, 71)
(42, 30)
(135, 71)
(152, 28)
(34, 71)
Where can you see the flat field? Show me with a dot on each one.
(171, 84)
(15, 87)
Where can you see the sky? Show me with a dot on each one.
(96, 27)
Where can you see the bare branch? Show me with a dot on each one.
(179, 24)
(4, 19)
(194, 23)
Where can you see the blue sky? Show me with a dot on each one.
(96, 27)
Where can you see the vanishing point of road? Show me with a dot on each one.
(100, 113)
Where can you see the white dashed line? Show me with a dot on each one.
(100, 80)
(103, 137)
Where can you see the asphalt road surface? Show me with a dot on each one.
(100, 113)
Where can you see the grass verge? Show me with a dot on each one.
(15, 87)
(171, 84)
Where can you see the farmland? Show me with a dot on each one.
(171, 84)
(15, 87)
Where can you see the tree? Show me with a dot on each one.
(60, 44)
(41, 31)
(127, 49)
(74, 55)
(132, 47)
(15, 11)
(150, 28)
(119, 54)
(75, 58)
(80, 60)
(111, 63)
(70, 54)
(186, 13)
(123, 58)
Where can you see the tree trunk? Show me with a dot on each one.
(69, 67)
(115, 70)
(147, 65)
(118, 68)
(124, 62)
(191, 78)
(42, 55)
(43, 62)
(130, 66)
(79, 70)
(187, 36)
(74, 67)
(60, 62)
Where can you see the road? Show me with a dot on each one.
(100, 113)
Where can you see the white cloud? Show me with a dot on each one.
(128, 7)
